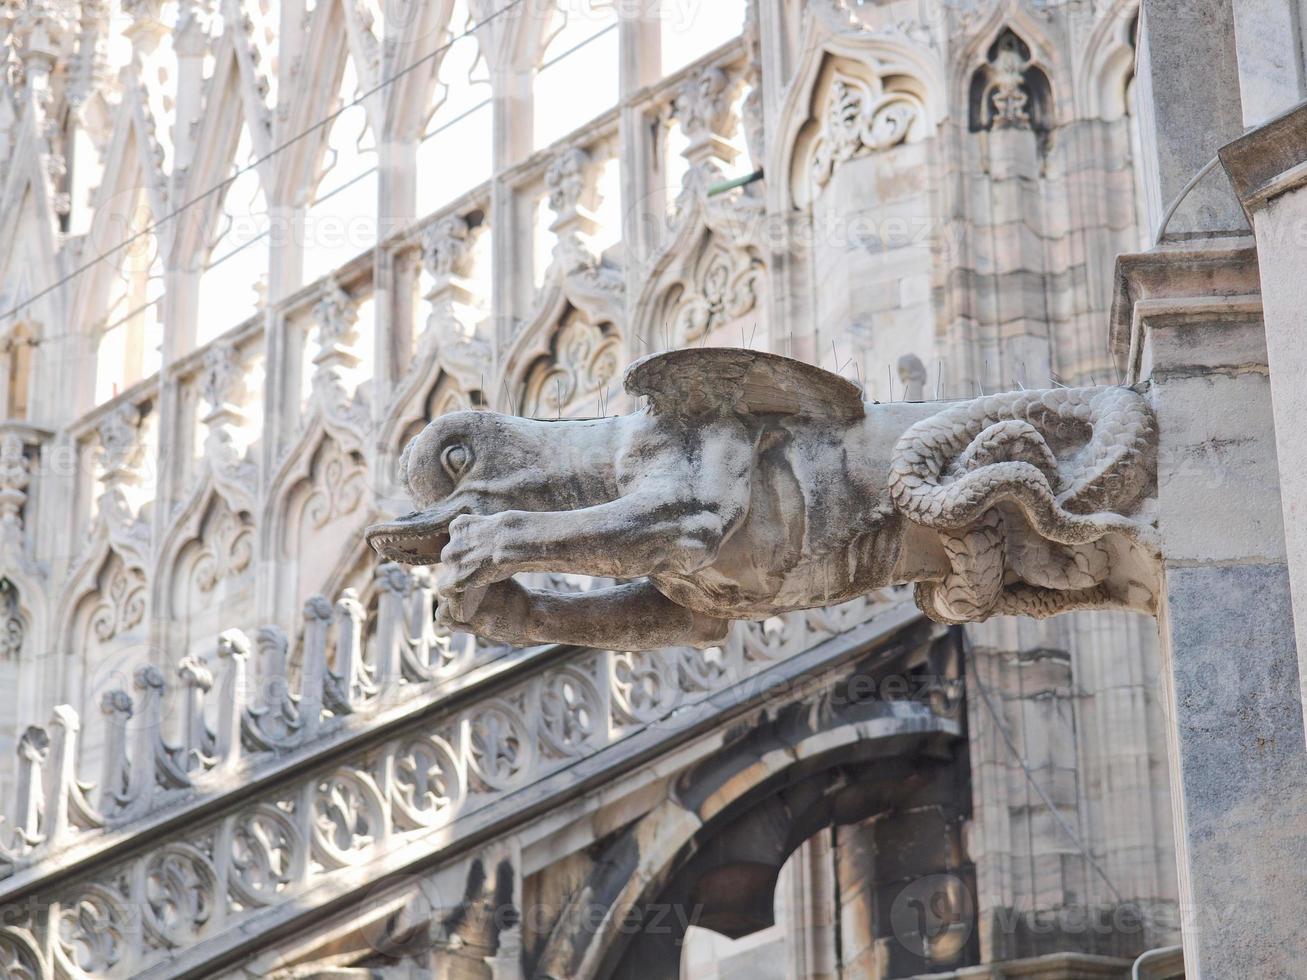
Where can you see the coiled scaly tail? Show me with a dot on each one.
(1067, 460)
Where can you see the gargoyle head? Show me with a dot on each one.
(461, 463)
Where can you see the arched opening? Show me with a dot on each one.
(454, 152)
(577, 378)
(1009, 91)
(341, 218)
(690, 31)
(234, 279)
(858, 795)
(130, 341)
(576, 77)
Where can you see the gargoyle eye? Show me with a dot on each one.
(456, 459)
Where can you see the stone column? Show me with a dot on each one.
(1268, 38)
(1230, 668)
(1268, 169)
(645, 215)
(1189, 106)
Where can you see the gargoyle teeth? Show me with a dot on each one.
(413, 540)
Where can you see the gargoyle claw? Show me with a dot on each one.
(457, 610)
(468, 560)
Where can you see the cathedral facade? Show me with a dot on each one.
(252, 246)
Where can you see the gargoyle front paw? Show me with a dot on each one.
(470, 559)
(496, 612)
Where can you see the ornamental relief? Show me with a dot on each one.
(93, 933)
(224, 388)
(226, 550)
(428, 783)
(20, 958)
(724, 284)
(859, 118)
(586, 359)
(644, 685)
(15, 475)
(11, 622)
(348, 817)
(853, 111)
(570, 709)
(181, 889)
(339, 483)
(262, 847)
(501, 750)
(346, 413)
(122, 599)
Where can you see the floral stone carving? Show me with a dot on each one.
(753, 485)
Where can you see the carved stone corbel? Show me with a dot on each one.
(15, 475)
(121, 455)
(460, 350)
(346, 416)
(223, 387)
(589, 283)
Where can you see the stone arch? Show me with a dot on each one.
(29, 599)
(231, 102)
(1009, 88)
(584, 359)
(107, 594)
(854, 93)
(1012, 16)
(1109, 63)
(118, 303)
(409, 96)
(231, 153)
(105, 637)
(30, 586)
(206, 572)
(335, 33)
(573, 334)
(708, 278)
(720, 838)
(131, 178)
(319, 498)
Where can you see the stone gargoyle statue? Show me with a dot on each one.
(752, 484)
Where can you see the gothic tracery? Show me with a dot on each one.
(396, 238)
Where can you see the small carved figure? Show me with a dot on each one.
(753, 484)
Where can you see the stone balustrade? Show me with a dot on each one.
(393, 732)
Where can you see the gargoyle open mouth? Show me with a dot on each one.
(414, 539)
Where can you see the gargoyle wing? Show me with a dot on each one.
(698, 380)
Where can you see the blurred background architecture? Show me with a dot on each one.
(248, 248)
